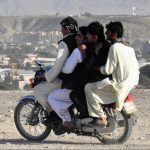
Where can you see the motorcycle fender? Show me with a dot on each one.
(134, 119)
(24, 98)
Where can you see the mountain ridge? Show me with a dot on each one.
(10, 25)
(72, 7)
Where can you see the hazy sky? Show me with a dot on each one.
(71, 7)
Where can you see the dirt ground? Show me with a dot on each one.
(11, 139)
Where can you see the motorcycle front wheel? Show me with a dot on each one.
(28, 118)
(122, 130)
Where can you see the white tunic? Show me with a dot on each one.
(59, 99)
(42, 90)
(63, 53)
(72, 61)
(123, 66)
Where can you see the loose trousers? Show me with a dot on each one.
(95, 97)
(42, 90)
(59, 100)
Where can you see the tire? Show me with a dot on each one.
(128, 124)
(21, 126)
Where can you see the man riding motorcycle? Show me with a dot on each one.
(69, 28)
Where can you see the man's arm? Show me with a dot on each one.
(63, 53)
(72, 61)
(111, 62)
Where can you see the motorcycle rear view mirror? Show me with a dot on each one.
(38, 63)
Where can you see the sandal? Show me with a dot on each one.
(98, 122)
(69, 125)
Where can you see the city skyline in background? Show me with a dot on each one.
(30, 29)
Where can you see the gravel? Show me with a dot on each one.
(11, 139)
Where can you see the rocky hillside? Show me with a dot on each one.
(136, 28)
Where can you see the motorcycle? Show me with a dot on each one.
(35, 124)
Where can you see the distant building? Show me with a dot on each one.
(134, 11)
(21, 85)
(4, 73)
(26, 37)
(47, 61)
(4, 61)
(30, 58)
(24, 76)
(36, 37)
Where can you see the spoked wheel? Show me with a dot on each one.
(121, 133)
(28, 119)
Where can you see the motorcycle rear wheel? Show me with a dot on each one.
(31, 129)
(122, 132)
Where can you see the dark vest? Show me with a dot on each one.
(75, 80)
(70, 42)
(96, 56)
(72, 80)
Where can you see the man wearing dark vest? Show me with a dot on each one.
(69, 29)
(72, 78)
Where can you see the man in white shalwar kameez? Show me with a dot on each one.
(69, 29)
(123, 66)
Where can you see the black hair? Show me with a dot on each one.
(83, 30)
(115, 27)
(70, 24)
(96, 28)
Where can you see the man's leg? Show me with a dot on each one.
(95, 98)
(41, 92)
(93, 101)
(79, 100)
(60, 102)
